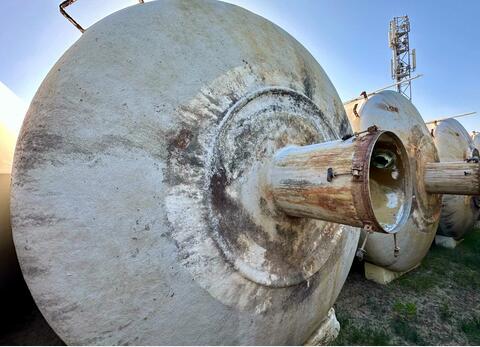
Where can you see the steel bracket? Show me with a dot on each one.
(66, 3)
(357, 170)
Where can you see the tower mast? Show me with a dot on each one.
(403, 61)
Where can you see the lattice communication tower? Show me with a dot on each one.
(403, 61)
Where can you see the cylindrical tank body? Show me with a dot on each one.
(389, 110)
(476, 140)
(8, 264)
(136, 211)
(476, 143)
(15, 299)
(454, 144)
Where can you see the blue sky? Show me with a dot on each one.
(348, 38)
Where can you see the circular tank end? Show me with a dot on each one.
(389, 183)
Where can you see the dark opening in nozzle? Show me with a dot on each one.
(383, 159)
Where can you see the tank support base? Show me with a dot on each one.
(446, 242)
(382, 275)
(326, 332)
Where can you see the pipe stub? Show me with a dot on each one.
(383, 181)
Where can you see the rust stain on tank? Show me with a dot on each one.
(182, 140)
(389, 108)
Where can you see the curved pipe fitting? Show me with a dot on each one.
(363, 181)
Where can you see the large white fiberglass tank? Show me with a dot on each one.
(476, 140)
(11, 115)
(133, 211)
(390, 110)
(8, 263)
(459, 212)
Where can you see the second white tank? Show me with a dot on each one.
(459, 212)
(391, 111)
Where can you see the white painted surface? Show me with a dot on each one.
(447, 242)
(459, 212)
(112, 194)
(327, 332)
(380, 274)
(391, 111)
(12, 110)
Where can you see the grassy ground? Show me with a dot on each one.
(436, 304)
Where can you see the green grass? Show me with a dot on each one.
(462, 266)
(438, 303)
(471, 328)
(360, 335)
(407, 310)
(445, 312)
(408, 331)
(404, 322)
